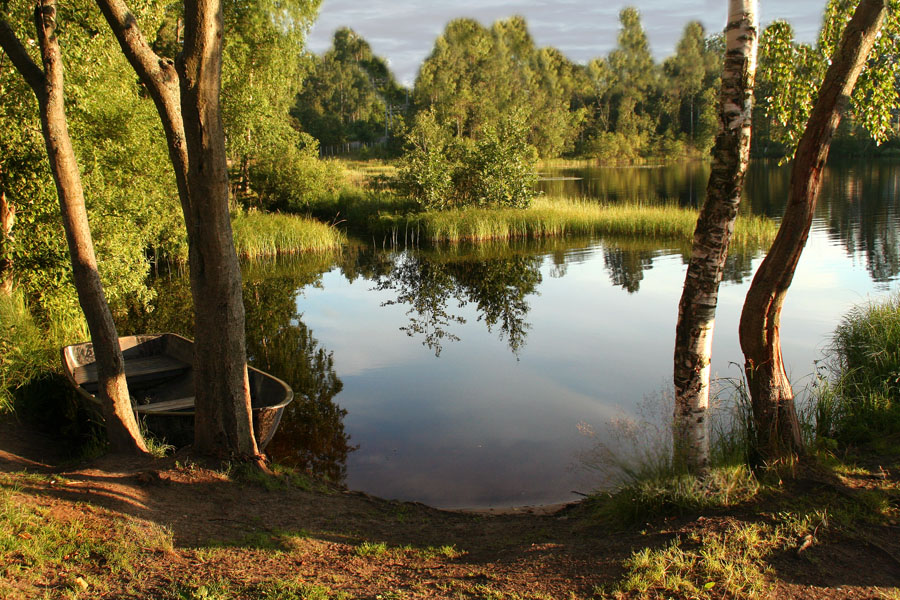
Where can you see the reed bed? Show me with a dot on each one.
(561, 217)
(259, 235)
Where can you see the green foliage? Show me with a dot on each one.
(500, 169)
(119, 146)
(288, 178)
(426, 171)
(497, 169)
(261, 75)
(790, 74)
(475, 77)
(350, 94)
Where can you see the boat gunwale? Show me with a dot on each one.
(65, 351)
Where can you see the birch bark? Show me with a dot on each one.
(712, 236)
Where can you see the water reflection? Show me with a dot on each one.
(858, 205)
(478, 426)
(434, 285)
(681, 183)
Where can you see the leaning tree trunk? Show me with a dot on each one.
(122, 429)
(187, 100)
(697, 309)
(775, 418)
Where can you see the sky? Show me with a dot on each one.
(403, 31)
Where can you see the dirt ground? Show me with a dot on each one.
(327, 536)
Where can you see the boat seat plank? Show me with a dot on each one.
(166, 405)
(136, 368)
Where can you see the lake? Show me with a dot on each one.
(489, 376)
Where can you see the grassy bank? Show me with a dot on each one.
(549, 217)
(259, 235)
(844, 493)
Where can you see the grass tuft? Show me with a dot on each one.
(679, 494)
(723, 565)
(258, 235)
(855, 398)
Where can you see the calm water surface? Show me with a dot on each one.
(466, 377)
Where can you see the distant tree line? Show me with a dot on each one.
(624, 107)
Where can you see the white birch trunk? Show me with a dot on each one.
(697, 309)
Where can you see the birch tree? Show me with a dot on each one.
(775, 418)
(47, 84)
(697, 309)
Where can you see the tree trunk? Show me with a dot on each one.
(223, 394)
(775, 418)
(187, 100)
(697, 309)
(122, 429)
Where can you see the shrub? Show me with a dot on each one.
(426, 172)
(440, 172)
(288, 178)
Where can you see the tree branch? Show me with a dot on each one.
(20, 58)
(159, 76)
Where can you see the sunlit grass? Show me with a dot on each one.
(551, 217)
(258, 235)
(38, 548)
(29, 351)
(722, 565)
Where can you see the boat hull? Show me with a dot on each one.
(159, 370)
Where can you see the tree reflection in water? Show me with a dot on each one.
(497, 285)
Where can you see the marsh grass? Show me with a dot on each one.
(558, 217)
(858, 401)
(367, 174)
(258, 235)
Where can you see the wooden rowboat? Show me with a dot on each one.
(160, 374)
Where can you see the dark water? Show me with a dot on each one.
(491, 375)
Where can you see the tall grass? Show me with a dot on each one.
(258, 235)
(29, 352)
(857, 400)
(549, 217)
(634, 461)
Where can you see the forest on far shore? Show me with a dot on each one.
(624, 107)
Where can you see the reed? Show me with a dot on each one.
(549, 217)
(258, 235)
